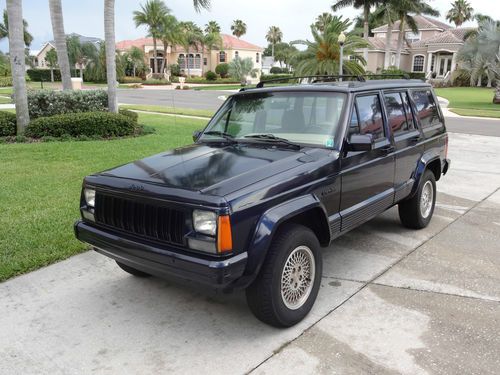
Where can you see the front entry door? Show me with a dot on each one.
(444, 65)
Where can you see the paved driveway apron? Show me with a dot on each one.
(392, 301)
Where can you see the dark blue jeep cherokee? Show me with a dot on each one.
(278, 173)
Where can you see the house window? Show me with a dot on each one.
(205, 61)
(182, 61)
(222, 56)
(418, 63)
(236, 54)
(413, 37)
(257, 57)
(197, 61)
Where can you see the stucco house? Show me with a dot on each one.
(433, 49)
(199, 60)
(40, 61)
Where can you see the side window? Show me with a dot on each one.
(426, 107)
(409, 115)
(395, 112)
(370, 116)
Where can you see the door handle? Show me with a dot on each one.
(415, 139)
(387, 149)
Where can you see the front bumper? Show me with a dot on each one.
(163, 262)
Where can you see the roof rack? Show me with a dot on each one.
(331, 78)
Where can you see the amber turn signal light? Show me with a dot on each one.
(224, 236)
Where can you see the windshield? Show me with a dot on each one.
(298, 117)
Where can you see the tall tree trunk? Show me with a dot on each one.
(109, 37)
(496, 98)
(81, 71)
(155, 54)
(400, 43)
(479, 79)
(388, 43)
(272, 50)
(51, 74)
(187, 61)
(366, 28)
(56, 17)
(17, 63)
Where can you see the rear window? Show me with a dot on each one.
(427, 110)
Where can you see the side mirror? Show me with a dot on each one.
(196, 135)
(360, 142)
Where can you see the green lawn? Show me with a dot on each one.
(40, 189)
(471, 101)
(170, 110)
(5, 99)
(216, 87)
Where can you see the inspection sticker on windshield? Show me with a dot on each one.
(329, 142)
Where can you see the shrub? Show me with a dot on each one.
(185, 87)
(153, 82)
(87, 124)
(265, 77)
(222, 69)
(131, 114)
(203, 80)
(175, 70)
(7, 124)
(5, 81)
(278, 70)
(130, 80)
(211, 76)
(49, 103)
(43, 75)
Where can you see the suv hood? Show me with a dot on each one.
(212, 169)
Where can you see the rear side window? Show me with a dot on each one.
(427, 110)
(370, 116)
(396, 114)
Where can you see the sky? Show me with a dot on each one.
(292, 16)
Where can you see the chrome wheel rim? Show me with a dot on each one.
(426, 199)
(297, 277)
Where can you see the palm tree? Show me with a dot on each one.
(109, 37)
(51, 58)
(322, 21)
(322, 54)
(4, 29)
(16, 52)
(406, 10)
(212, 41)
(241, 69)
(96, 68)
(212, 27)
(152, 15)
(56, 16)
(239, 28)
(273, 36)
(460, 12)
(365, 4)
(192, 36)
(198, 4)
(386, 13)
(136, 56)
(79, 53)
(170, 34)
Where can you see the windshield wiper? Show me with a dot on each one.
(268, 137)
(224, 135)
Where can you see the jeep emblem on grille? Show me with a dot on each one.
(134, 187)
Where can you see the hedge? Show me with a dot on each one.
(266, 77)
(43, 74)
(131, 114)
(88, 124)
(130, 80)
(5, 81)
(7, 124)
(49, 103)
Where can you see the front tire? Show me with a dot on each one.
(289, 281)
(132, 271)
(416, 213)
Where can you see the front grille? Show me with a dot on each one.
(146, 220)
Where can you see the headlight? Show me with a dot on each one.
(89, 197)
(205, 222)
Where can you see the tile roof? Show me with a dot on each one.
(82, 38)
(229, 42)
(423, 22)
(448, 36)
(379, 43)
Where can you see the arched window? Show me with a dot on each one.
(191, 61)
(257, 57)
(182, 61)
(418, 63)
(236, 54)
(222, 56)
(197, 61)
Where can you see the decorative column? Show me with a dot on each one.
(453, 62)
(429, 62)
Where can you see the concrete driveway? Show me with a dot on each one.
(392, 301)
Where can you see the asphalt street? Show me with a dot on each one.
(211, 100)
(392, 301)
